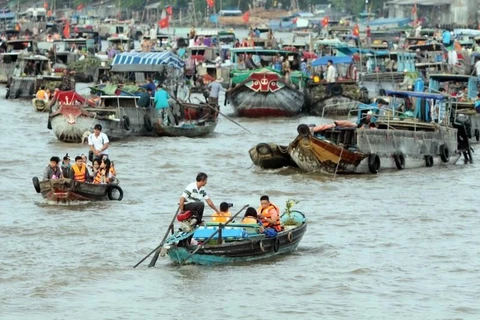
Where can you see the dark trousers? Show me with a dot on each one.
(196, 208)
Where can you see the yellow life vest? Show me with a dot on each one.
(222, 217)
(79, 174)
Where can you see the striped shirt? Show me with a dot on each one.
(193, 194)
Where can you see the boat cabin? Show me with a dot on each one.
(36, 65)
(246, 57)
(226, 38)
(12, 34)
(19, 45)
(385, 39)
(201, 54)
(120, 42)
(463, 88)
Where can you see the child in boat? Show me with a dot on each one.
(42, 94)
(251, 217)
(224, 213)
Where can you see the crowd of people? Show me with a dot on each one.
(100, 171)
(266, 217)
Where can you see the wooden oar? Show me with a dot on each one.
(226, 117)
(157, 249)
(220, 227)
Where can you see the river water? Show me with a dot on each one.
(398, 245)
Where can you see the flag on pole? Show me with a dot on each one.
(163, 23)
(169, 10)
(66, 30)
(211, 3)
(246, 17)
(80, 6)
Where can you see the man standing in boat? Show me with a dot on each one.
(215, 88)
(193, 196)
(67, 82)
(98, 142)
(331, 75)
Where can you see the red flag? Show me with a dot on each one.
(325, 21)
(356, 31)
(163, 23)
(169, 10)
(414, 9)
(66, 30)
(246, 17)
(45, 5)
(211, 3)
(80, 6)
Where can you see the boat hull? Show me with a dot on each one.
(285, 102)
(253, 249)
(40, 105)
(315, 154)
(271, 156)
(67, 190)
(186, 131)
(343, 98)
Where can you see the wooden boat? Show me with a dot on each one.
(271, 156)
(40, 105)
(236, 243)
(66, 190)
(263, 92)
(190, 130)
(344, 94)
(396, 142)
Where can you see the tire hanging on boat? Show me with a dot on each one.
(36, 184)
(336, 90)
(290, 236)
(444, 153)
(126, 122)
(399, 160)
(110, 194)
(261, 246)
(264, 149)
(373, 163)
(147, 122)
(17, 94)
(428, 161)
(303, 130)
(276, 245)
(7, 94)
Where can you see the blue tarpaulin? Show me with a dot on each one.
(145, 61)
(336, 59)
(6, 15)
(399, 21)
(421, 95)
(351, 50)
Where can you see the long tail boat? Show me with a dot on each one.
(235, 243)
(393, 139)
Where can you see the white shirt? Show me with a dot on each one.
(193, 194)
(98, 142)
(331, 74)
(218, 62)
(477, 68)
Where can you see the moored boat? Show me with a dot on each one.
(235, 243)
(40, 105)
(66, 190)
(393, 140)
(264, 92)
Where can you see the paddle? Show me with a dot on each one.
(228, 118)
(157, 249)
(220, 227)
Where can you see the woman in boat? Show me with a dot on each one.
(251, 217)
(105, 174)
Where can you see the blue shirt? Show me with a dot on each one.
(150, 85)
(161, 99)
(446, 37)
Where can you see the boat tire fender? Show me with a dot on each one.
(264, 149)
(290, 236)
(399, 160)
(428, 161)
(373, 163)
(36, 184)
(126, 122)
(147, 121)
(444, 153)
(303, 130)
(261, 246)
(17, 94)
(382, 92)
(7, 94)
(336, 90)
(111, 195)
(477, 134)
(276, 245)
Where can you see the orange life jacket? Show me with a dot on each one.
(249, 220)
(265, 214)
(100, 172)
(79, 174)
(222, 217)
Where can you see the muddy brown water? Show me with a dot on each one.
(399, 245)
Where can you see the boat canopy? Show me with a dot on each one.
(145, 61)
(262, 52)
(383, 21)
(335, 59)
(414, 94)
(348, 51)
(451, 77)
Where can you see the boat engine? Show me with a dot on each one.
(187, 221)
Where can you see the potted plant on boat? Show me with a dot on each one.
(289, 218)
